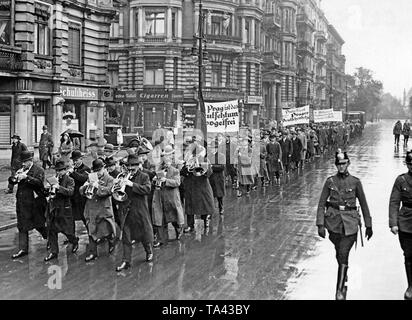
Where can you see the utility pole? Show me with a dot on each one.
(346, 95)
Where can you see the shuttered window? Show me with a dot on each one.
(74, 45)
(5, 119)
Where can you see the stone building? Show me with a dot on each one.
(53, 67)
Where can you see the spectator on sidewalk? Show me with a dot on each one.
(397, 130)
(17, 148)
(66, 147)
(45, 148)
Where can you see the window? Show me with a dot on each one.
(216, 74)
(248, 73)
(174, 31)
(154, 72)
(74, 44)
(175, 72)
(155, 23)
(42, 29)
(247, 28)
(216, 25)
(5, 22)
(257, 80)
(228, 75)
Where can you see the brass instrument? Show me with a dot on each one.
(15, 178)
(195, 167)
(145, 143)
(161, 173)
(118, 189)
(91, 189)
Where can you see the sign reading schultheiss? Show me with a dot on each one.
(295, 116)
(325, 115)
(222, 116)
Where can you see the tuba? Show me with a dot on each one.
(145, 143)
(118, 190)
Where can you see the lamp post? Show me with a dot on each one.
(201, 112)
(346, 92)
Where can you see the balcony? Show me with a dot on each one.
(321, 57)
(154, 39)
(272, 21)
(223, 39)
(302, 18)
(320, 79)
(271, 57)
(305, 73)
(305, 47)
(10, 58)
(321, 36)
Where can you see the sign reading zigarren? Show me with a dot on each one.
(222, 116)
(148, 96)
(79, 93)
(295, 116)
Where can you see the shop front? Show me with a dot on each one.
(142, 111)
(81, 110)
(251, 111)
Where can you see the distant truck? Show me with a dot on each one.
(355, 115)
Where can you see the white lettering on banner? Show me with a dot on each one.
(323, 115)
(295, 116)
(222, 116)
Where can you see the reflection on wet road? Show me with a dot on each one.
(266, 247)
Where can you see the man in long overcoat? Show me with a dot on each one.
(110, 165)
(217, 178)
(30, 202)
(287, 150)
(198, 192)
(45, 148)
(17, 148)
(167, 207)
(274, 158)
(134, 212)
(99, 211)
(59, 211)
(79, 173)
(337, 213)
(297, 149)
(397, 130)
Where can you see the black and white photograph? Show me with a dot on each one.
(213, 152)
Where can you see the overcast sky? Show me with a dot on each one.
(378, 36)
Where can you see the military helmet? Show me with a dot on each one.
(341, 157)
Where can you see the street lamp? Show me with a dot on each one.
(201, 112)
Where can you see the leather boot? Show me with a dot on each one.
(340, 285)
(179, 231)
(408, 293)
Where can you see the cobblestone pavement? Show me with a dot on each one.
(266, 247)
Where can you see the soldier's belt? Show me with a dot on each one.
(341, 208)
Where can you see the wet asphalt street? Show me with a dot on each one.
(266, 247)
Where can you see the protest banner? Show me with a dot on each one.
(326, 115)
(295, 116)
(222, 116)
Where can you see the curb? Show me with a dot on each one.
(8, 226)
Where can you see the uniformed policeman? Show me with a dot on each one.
(337, 212)
(400, 218)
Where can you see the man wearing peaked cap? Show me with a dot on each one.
(400, 211)
(338, 213)
(45, 148)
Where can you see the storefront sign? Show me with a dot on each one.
(79, 93)
(326, 115)
(295, 116)
(254, 99)
(148, 96)
(222, 116)
(221, 95)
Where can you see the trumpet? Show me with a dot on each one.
(15, 178)
(145, 143)
(118, 189)
(91, 189)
